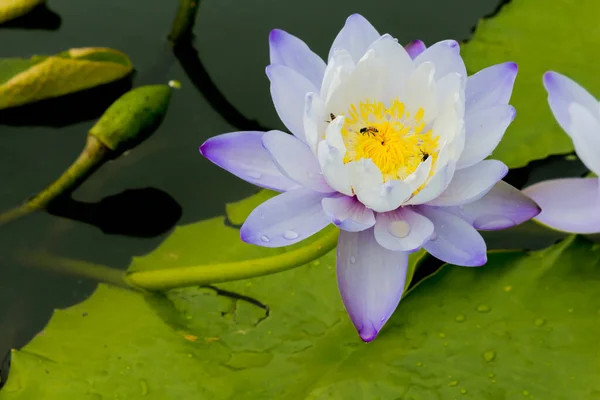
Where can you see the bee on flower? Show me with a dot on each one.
(389, 144)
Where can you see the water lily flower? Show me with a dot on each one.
(572, 204)
(389, 144)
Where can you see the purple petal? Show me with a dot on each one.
(288, 90)
(288, 50)
(563, 91)
(243, 154)
(445, 56)
(355, 37)
(295, 160)
(570, 205)
(490, 87)
(470, 184)
(285, 219)
(348, 213)
(484, 130)
(415, 48)
(501, 208)
(454, 240)
(371, 280)
(402, 229)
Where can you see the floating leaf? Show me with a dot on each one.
(11, 9)
(523, 325)
(555, 35)
(40, 77)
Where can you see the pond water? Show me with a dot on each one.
(165, 182)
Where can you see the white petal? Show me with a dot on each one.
(285, 219)
(585, 132)
(398, 64)
(471, 183)
(288, 90)
(421, 92)
(419, 177)
(402, 229)
(484, 130)
(454, 241)
(337, 73)
(491, 86)
(562, 91)
(367, 182)
(330, 154)
(314, 121)
(348, 213)
(288, 50)
(355, 37)
(367, 81)
(295, 160)
(371, 280)
(436, 185)
(445, 55)
(449, 90)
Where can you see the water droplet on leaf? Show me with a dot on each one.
(525, 393)
(540, 321)
(290, 235)
(144, 387)
(419, 364)
(460, 318)
(483, 308)
(463, 391)
(453, 384)
(489, 355)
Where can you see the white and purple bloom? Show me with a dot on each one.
(572, 204)
(389, 144)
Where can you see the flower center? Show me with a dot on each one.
(394, 140)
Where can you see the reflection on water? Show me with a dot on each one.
(227, 90)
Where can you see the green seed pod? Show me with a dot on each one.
(132, 118)
(27, 80)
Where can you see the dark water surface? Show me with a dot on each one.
(164, 181)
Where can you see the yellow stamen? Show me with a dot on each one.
(390, 137)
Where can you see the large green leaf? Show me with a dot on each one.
(560, 35)
(11, 9)
(41, 77)
(524, 326)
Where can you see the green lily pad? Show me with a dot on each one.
(554, 35)
(523, 326)
(25, 81)
(11, 9)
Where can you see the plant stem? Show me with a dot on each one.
(184, 21)
(198, 275)
(90, 159)
(164, 279)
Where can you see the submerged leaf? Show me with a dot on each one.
(40, 77)
(11, 9)
(524, 323)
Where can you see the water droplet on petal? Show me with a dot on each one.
(399, 229)
(460, 318)
(253, 174)
(539, 321)
(453, 384)
(290, 235)
(352, 259)
(433, 236)
(492, 222)
(483, 308)
(265, 239)
(489, 355)
(311, 175)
